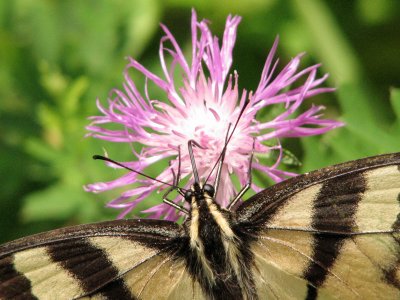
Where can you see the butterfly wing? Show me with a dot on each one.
(160, 278)
(332, 233)
(122, 259)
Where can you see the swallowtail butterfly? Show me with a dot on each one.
(331, 233)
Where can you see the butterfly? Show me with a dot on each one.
(330, 233)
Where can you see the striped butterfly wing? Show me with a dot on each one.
(331, 233)
(124, 259)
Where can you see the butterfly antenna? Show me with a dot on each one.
(222, 155)
(192, 160)
(100, 157)
(219, 168)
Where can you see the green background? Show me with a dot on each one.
(57, 57)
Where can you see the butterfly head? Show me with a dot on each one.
(199, 191)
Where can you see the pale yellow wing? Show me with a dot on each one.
(125, 259)
(160, 277)
(365, 266)
(332, 233)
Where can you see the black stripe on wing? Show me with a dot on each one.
(348, 191)
(339, 218)
(116, 290)
(15, 284)
(86, 263)
(262, 207)
(396, 224)
(392, 275)
(80, 256)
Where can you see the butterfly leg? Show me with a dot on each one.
(247, 185)
(175, 187)
(172, 203)
(178, 177)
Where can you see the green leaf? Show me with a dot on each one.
(143, 18)
(58, 202)
(395, 102)
(41, 151)
(368, 131)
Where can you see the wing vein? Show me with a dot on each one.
(290, 246)
(152, 274)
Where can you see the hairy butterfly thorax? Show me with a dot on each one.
(219, 257)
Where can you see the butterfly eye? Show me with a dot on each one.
(209, 189)
(188, 196)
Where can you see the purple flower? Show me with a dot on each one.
(200, 105)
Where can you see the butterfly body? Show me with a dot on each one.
(220, 257)
(329, 234)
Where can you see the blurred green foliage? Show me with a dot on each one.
(57, 57)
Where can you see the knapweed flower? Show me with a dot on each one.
(200, 105)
